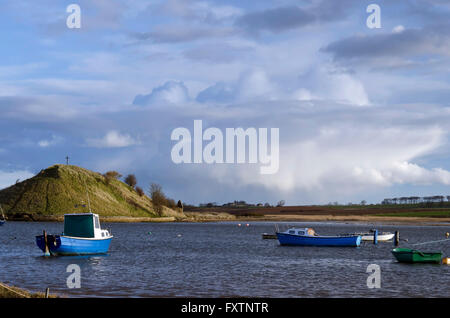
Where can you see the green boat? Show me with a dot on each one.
(406, 255)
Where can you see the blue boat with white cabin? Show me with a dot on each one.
(82, 236)
(308, 237)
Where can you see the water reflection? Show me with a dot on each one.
(220, 260)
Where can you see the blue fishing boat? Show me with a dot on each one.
(82, 236)
(308, 237)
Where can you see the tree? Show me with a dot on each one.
(363, 202)
(281, 203)
(131, 180)
(158, 198)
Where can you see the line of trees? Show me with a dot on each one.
(155, 192)
(416, 200)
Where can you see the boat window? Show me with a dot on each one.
(301, 233)
(97, 224)
(291, 232)
(103, 234)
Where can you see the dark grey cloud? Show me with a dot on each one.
(275, 20)
(433, 40)
(291, 17)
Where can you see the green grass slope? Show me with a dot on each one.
(59, 188)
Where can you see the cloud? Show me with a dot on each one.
(182, 33)
(328, 83)
(218, 93)
(252, 85)
(171, 92)
(37, 109)
(330, 152)
(113, 139)
(275, 19)
(44, 143)
(290, 17)
(199, 11)
(398, 45)
(8, 178)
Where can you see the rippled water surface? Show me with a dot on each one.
(223, 260)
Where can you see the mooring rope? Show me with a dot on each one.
(431, 242)
(13, 291)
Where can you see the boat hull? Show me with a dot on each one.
(65, 245)
(406, 255)
(2, 222)
(380, 237)
(298, 240)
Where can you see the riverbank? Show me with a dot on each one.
(110, 219)
(368, 219)
(8, 291)
(195, 217)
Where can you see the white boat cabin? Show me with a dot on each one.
(301, 231)
(85, 225)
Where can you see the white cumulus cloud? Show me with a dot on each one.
(112, 139)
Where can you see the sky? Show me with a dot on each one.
(363, 113)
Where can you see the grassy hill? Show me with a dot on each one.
(59, 188)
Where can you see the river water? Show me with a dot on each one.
(223, 260)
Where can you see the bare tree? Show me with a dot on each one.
(281, 203)
(158, 198)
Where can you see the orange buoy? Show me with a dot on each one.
(239, 224)
(247, 224)
(446, 260)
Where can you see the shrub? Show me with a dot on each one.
(139, 191)
(110, 175)
(131, 180)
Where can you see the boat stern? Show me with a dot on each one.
(53, 243)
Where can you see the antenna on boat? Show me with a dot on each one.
(87, 193)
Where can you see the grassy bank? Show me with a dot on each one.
(62, 189)
(430, 214)
(8, 291)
